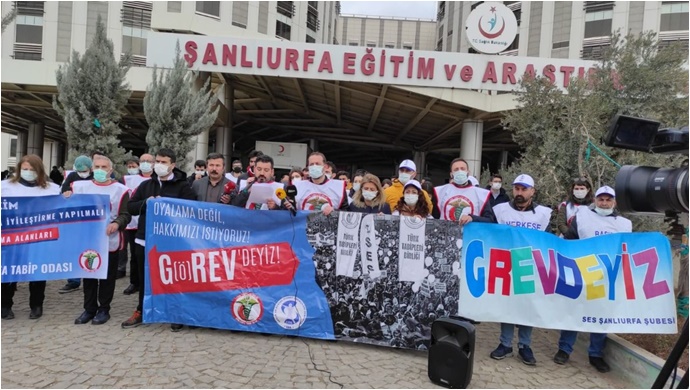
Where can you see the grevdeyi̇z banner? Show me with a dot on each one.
(50, 237)
(225, 267)
(613, 283)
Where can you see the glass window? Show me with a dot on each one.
(285, 8)
(310, 39)
(354, 43)
(674, 17)
(29, 34)
(598, 23)
(13, 147)
(283, 30)
(208, 7)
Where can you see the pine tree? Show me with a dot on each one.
(92, 93)
(176, 111)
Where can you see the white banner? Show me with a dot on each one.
(347, 245)
(411, 249)
(369, 247)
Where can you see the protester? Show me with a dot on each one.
(344, 176)
(498, 194)
(412, 203)
(407, 171)
(319, 193)
(386, 183)
(357, 184)
(459, 200)
(236, 169)
(263, 174)
(132, 181)
(56, 176)
(329, 169)
(369, 197)
(199, 172)
(522, 211)
(31, 181)
(211, 187)
(295, 175)
(579, 197)
(98, 294)
(248, 176)
(132, 165)
(82, 171)
(168, 182)
(604, 219)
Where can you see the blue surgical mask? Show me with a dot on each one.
(404, 177)
(100, 175)
(315, 171)
(460, 177)
(603, 212)
(146, 167)
(28, 175)
(133, 171)
(356, 186)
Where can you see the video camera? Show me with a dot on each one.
(641, 189)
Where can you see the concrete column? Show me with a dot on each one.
(314, 145)
(200, 150)
(224, 144)
(35, 139)
(471, 144)
(504, 159)
(420, 161)
(22, 141)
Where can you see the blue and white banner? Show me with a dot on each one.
(619, 282)
(225, 267)
(50, 237)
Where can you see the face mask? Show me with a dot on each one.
(496, 186)
(411, 199)
(133, 171)
(369, 195)
(100, 175)
(296, 179)
(603, 212)
(28, 175)
(460, 177)
(237, 169)
(579, 194)
(356, 186)
(315, 171)
(404, 177)
(145, 167)
(84, 175)
(161, 169)
(201, 173)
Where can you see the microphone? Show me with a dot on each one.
(229, 188)
(280, 193)
(291, 192)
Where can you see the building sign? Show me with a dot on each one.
(285, 155)
(358, 64)
(491, 28)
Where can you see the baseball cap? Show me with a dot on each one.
(524, 180)
(413, 183)
(409, 164)
(606, 190)
(473, 180)
(82, 163)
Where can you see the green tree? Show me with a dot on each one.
(176, 110)
(560, 132)
(92, 94)
(7, 19)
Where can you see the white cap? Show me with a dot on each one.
(524, 180)
(409, 164)
(473, 180)
(606, 190)
(413, 183)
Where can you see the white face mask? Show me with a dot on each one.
(496, 186)
(296, 179)
(145, 167)
(28, 175)
(369, 195)
(315, 171)
(133, 171)
(404, 177)
(411, 199)
(200, 172)
(460, 177)
(84, 175)
(579, 194)
(603, 212)
(356, 186)
(161, 169)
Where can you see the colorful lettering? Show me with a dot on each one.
(475, 279)
(651, 259)
(499, 268)
(562, 287)
(523, 266)
(591, 274)
(548, 278)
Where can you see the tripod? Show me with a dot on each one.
(672, 362)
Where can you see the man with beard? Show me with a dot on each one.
(520, 212)
(210, 188)
(459, 200)
(263, 175)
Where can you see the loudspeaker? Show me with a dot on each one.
(451, 355)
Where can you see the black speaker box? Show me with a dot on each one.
(451, 355)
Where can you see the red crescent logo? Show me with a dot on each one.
(282, 148)
(491, 36)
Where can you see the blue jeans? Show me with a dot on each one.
(76, 282)
(524, 335)
(597, 343)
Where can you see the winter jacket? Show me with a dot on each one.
(395, 192)
(177, 187)
(501, 198)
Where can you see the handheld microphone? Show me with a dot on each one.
(280, 193)
(229, 188)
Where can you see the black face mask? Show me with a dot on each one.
(237, 169)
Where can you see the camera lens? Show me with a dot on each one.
(652, 190)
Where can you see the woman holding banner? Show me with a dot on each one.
(413, 203)
(31, 181)
(369, 197)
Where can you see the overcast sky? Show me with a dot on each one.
(410, 9)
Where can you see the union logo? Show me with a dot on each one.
(90, 260)
(456, 207)
(290, 313)
(247, 308)
(315, 201)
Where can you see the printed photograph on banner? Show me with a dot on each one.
(374, 305)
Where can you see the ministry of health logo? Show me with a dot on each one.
(491, 28)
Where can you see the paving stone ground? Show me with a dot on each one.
(52, 352)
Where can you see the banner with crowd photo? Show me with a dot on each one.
(50, 237)
(219, 266)
(614, 283)
(386, 278)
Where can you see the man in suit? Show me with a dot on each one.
(210, 188)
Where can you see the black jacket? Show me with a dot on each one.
(501, 198)
(178, 187)
(71, 178)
